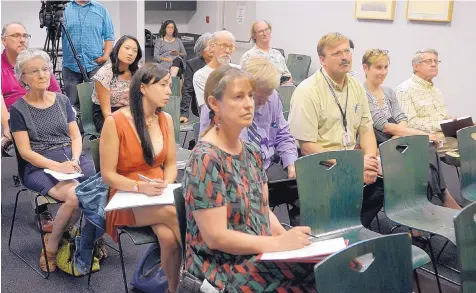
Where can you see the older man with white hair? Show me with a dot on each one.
(192, 66)
(222, 45)
(419, 98)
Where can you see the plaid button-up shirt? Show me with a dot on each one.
(423, 103)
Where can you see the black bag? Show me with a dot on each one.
(149, 276)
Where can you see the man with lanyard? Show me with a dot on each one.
(92, 34)
(329, 109)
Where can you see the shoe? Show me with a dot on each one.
(46, 220)
(51, 256)
(101, 249)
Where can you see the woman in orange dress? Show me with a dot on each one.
(139, 139)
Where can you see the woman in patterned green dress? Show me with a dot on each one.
(226, 197)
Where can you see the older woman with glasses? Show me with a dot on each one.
(14, 39)
(44, 129)
(390, 121)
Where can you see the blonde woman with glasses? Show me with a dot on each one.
(390, 120)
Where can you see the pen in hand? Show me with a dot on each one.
(75, 168)
(290, 227)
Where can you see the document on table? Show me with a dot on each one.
(63, 176)
(314, 252)
(126, 200)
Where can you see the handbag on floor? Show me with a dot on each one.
(149, 277)
(65, 254)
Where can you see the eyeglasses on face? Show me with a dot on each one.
(430, 61)
(36, 72)
(265, 31)
(342, 53)
(224, 46)
(18, 36)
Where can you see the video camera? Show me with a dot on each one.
(52, 13)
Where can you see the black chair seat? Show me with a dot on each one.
(140, 235)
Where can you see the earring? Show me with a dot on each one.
(27, 87)
(217, 122)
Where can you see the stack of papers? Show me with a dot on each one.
(63, 176)
(126, 200)
(312, 253)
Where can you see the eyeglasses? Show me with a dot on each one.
(36, 72)
(345, 52)
(430, 61)
(265, 31)
(225, 46)
(18, 36)
(378, 52)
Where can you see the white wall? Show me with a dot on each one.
(154, 19)
(306, 22)
(212, 9)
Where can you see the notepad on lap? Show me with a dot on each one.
(63, 176)
(126, 200)
(450, 127)
(312, 253)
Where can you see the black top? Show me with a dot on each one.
(188, 93)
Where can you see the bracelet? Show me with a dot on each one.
(135, 187)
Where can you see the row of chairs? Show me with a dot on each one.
(335, 212)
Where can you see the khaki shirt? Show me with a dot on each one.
(423, 103)
(315, 117)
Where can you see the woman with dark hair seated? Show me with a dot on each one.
(112, 81)
(139, 139)
(47, 136)
(226, 199)
(390, 120)
(169, 50)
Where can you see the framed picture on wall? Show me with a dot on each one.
(440, 10)
(375, 9)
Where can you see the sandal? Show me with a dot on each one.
(51, 256)
(101, 249)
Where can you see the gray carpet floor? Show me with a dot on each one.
(17, 277)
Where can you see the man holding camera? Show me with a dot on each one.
(92, 34)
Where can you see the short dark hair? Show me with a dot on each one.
(115, 56)
(162, 31)
(150, 73)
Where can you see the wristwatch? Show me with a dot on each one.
(73, 159)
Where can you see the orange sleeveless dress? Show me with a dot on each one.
(131, 163)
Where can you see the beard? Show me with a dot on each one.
(225, 60)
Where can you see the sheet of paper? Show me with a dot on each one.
(63, 176)
(314, 251)
(125, 200)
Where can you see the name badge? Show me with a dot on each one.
(346, 139)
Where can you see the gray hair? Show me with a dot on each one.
(5, 27)
(217, 34)
(28, 55)
(418, 55)
(202, 42)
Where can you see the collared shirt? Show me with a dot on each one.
(423, 103)
(273, 55)
(315, 117)
(273, 129)
(89, 26)
(200, 79)
(11, 88)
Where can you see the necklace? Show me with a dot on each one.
(149, 122)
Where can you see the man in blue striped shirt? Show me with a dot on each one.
(92, 34)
